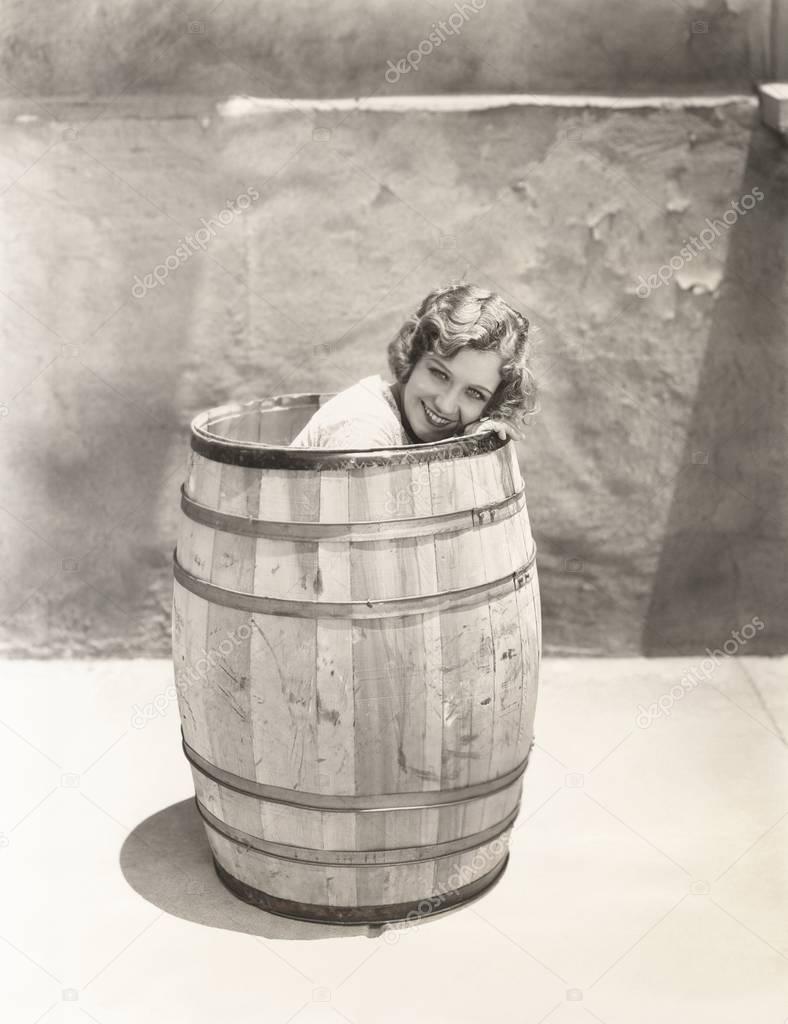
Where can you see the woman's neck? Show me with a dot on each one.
(396, 390)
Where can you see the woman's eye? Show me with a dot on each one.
(440, 373)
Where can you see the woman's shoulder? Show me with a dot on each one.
(370, 396)
(373, 386)
(364, 412)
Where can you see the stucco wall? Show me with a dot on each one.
(655, 472)
(343, 48)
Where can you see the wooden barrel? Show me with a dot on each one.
(356, 642)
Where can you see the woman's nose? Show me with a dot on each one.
(446, 406)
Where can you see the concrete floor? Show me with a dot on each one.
(647, 878)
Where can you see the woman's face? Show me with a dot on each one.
(456, 389)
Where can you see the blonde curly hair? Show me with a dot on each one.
(466, 316)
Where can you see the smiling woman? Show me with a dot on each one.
(460, 367)
(359, 757)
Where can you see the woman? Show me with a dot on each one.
(460, 367)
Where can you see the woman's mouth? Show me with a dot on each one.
(433, 419)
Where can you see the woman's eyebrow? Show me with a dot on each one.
(481, 387)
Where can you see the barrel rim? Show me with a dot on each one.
(377, 914)
(413, 853)
(366, 803)
(260, 455)
(376, 529)
(379, 608)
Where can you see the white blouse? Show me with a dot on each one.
(363, 416)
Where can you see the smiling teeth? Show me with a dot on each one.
(431, 418)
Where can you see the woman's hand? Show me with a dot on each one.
(503, 427)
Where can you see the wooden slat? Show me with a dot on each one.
(507, 686)
(228, 682)
(205, 478)
(208, 793)
(531, 657)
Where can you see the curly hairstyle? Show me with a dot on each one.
(466, 316)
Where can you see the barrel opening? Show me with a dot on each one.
(258, 433)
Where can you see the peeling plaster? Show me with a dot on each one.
(700, 278)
